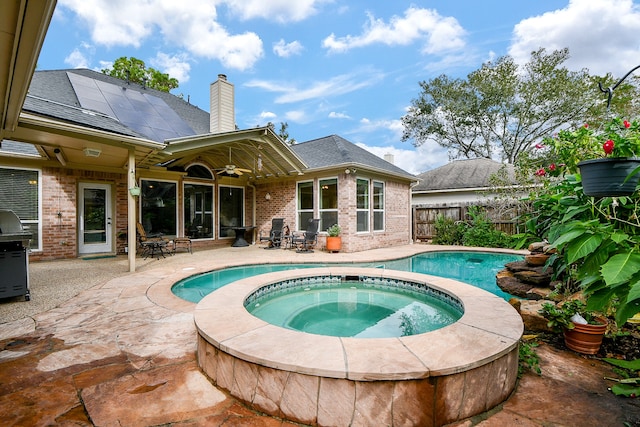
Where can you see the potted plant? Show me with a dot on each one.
(583, 330)
(334, 241)
(607, 158)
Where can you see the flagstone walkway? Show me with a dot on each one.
(122, 353)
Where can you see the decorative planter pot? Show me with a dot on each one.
(585, 339)
(606, 177)
(134, 191)
(334, 244)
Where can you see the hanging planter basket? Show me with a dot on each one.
(608, 177)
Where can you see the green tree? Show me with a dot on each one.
(135, 70)
(283, 133)
(500, 109)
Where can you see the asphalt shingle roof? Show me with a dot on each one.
(333, 151)
(458, 174)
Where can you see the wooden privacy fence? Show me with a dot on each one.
(424, 218)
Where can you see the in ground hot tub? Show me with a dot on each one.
(428, 379)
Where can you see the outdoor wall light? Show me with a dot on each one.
(267, 196)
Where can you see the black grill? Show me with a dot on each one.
(14, 256)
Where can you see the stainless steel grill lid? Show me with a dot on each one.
(9, 222)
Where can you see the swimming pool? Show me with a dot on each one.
(476, 268)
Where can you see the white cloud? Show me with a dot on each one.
(394, 126)
(267, 115)
(412, 160)
(285, 50)
(275, 10)
(76, 59)
(190, 24)
(335, 115)
(439, 34)
(338, 85)
(176, 66)
(602, 35)
(298, 116)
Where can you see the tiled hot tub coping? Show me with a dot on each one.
(489, 329)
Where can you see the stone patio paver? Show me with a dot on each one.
(122, 352)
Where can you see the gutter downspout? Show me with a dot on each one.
(413, 184)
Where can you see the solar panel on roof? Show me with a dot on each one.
(147, 114)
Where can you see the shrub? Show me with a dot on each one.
(481, 232)
(448, 232)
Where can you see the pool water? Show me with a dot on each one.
(353, 309)
(475, 268)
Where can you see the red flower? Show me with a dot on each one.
(626, 124)
(586, 125)
(608, 146)
(552, 167)
(539, 146)
(540, 172)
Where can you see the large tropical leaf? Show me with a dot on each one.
(626, 310)
(620, 268)
(583, 246)
(558, 238)
(634, 291)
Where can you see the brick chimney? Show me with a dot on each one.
(222, 117)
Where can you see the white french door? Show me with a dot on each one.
(94, 222)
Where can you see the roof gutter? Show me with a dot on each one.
(363, 167)
(30, 121)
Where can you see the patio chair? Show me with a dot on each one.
(151, 244)
(305, 241)
(275, 235)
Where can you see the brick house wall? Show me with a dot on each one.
(60, 213)
(282, 204)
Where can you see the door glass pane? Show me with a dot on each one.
(198, 211)
(94, 216)
(231, 210)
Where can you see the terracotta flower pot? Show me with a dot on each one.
(585, 339)
(606, 177)
(334, 244)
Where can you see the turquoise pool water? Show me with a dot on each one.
(476, 268)
(360, 309)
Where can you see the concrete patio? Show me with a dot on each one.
(122, 353)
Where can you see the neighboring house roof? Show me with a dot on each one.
(334, 151)
(463, 174)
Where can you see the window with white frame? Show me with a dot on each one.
(328, 209)
(305, 203)
(20, 192)
(362, 205)
(378, 206)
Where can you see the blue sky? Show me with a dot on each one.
(334, 66)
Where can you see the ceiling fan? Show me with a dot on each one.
(231, 169)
